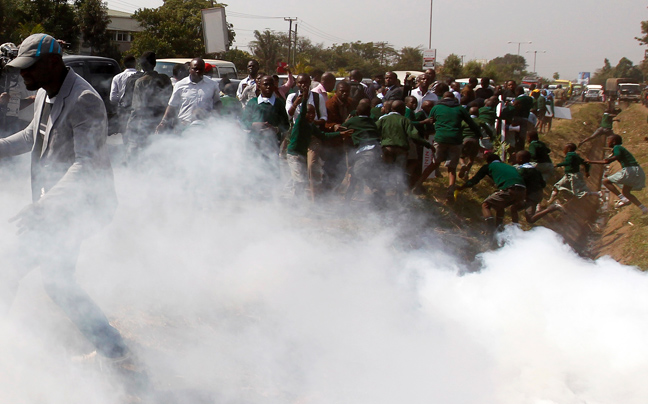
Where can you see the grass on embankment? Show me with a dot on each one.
(586, 118)
(625, 237)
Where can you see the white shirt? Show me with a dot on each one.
(18, 92)
(428, 96)
(244, 83)
(118, 85)
(188, 96)
(271, 100)
(323, 114)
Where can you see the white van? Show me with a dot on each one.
(221, 68)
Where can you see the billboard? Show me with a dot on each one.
(429, 59)
(583, 78)
(215, 30)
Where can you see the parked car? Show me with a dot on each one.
(99, 72)
(629, 92)
(221, 68)
(593, 92)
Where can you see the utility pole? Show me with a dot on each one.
(535, 54)
(294, 48)
(430, 43)
(290, 20)
(520, 43)
(462, 60)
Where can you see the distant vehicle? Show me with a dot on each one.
(593, 92)
(566, 85)
(99, 72)
(221, 68)
(629, 92)
(528, 80)
(578, 90)
(613, 89)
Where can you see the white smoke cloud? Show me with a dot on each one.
(228, 292)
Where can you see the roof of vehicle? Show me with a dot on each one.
(87, 57)
(214, 62)
(594, 87)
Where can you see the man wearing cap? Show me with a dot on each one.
(72, 188)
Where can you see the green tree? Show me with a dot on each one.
(409, 58)
(603, 73)
(239, 58)
(267, 47)
(8, 22)
(473, 69)
(93, 20)
(643, 40)
(507, 67)
(556, 76)
(624, 69)
(57, 17)
(452, 66)
(173, 30)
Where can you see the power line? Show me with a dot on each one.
(327, 38)
(322, 33)
(125, 3)
(252, 16)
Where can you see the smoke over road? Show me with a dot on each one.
(226, 290)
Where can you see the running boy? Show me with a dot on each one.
(631, 177)
(539, 153)
(573, 181)
(511, 190)
(535, 184)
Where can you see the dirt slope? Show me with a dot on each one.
(624, 236)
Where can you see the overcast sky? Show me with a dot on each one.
(576, 34)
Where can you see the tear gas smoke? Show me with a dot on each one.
(225, 289)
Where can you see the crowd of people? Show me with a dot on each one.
(381, 137)
(339, 138)
(354, 136)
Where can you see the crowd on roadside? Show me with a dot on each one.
(335, 137)
(379, 137)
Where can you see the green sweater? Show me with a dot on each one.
(606, 121)
(395, 130)
(448, 117)
(504, 175)
(624, 156)
(365, 129)
(275, 114)
(572, 163)
(542, 104)
(301, 133)
(484, 129)
(539, 152)
(524, 104)
(488, 115)
(376, 113)
(532, 178)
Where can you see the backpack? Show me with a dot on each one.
(126, 101)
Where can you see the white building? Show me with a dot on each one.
(121, 28)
